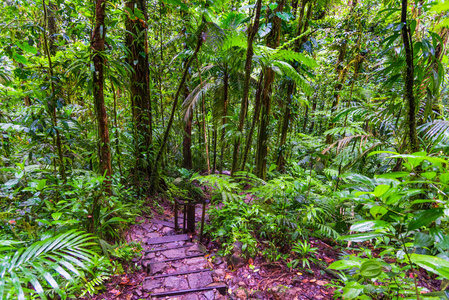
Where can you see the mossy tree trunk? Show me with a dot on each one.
(273, 39)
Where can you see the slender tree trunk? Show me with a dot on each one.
(285, 124)
(52, 103)
(409, 80)
(97, 45)
(313, 112)
(273, 39)
(224, 117)
(341, 74)
(249, 139)
(117, 140)
(203, 112)
(175, 103)
(306, 119)
(302, 27)
(187, 140)
(252, 31)
(214, 166)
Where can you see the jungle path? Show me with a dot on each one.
(176, 264)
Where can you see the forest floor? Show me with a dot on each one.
(256, 279)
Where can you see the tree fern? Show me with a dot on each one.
(62, 256)
(292, 56)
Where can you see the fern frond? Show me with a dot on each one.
(286, 69)
(327, 231)
(292, 56)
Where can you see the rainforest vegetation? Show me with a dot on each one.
(295, 119)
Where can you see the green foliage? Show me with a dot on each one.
(405, 222)
(270, 221)
(47, 265)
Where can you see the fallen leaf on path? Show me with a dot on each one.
(321, 282)
(124, 280)
(115, 292)
(328, 259)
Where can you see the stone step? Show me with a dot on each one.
(179, 273)
(220, 287)
(164, 223)
(167, 239)
(177, 258)
(171, 248)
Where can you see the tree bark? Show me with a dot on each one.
(139, 82)
(273, 39)
(252, 31)
(224, 118)
(302, 27)
(52, 102)
(409, 80)
(187, 140)
(249, 139)
(97, 45)
(341, 74)
(117, 140)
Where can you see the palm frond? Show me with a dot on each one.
(436, 131)
(344, 142)
(63, 255)
(194, 97)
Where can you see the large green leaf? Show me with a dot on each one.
(432, 264)
(360, 237)
(370, 268)
(344, 264)
(364, 226)
(424, 218)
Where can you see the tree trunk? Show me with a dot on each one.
(409, 80)
(252, 31)
(224, 117)
(203, 112)
(52, 103)
(313, 112)
(155, 179)
(139, 83)
(273, 39)
(187, 140)
(97, 45)
(117, 140)
(306, 119)
(287, 115)
(341, 75)
(249, 139)
(302, 27)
